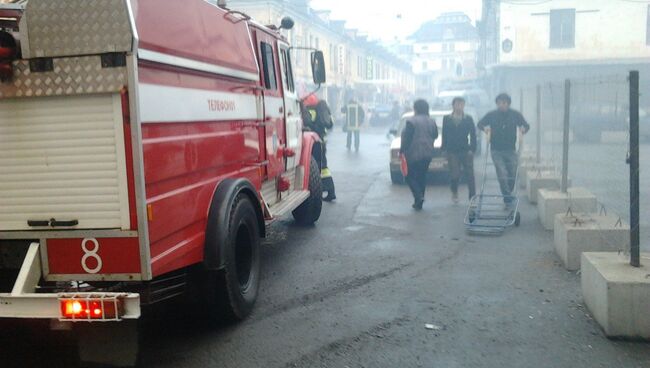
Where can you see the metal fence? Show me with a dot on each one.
(580, 134)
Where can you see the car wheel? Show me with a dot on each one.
(396, 177)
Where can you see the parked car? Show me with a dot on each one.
(476, 100)
(381, 114)
(439, 164)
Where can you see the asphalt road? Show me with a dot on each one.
(357, 289)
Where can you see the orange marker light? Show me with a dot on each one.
(149, 212)
(73, 307)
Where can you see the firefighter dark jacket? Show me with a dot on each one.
(318, 118)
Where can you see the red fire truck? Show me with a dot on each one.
(144, 145)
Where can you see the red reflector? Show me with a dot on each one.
(283, 184)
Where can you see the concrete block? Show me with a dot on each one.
(552, 202)
(617, 294)
(614, 137)
(532, 168)
(542, 180)
(588, 232)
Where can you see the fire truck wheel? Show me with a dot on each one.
(238, 283)
(309, 212)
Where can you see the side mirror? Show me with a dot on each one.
(392, 131)
(318, 67)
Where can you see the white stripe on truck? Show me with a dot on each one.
(164, 104)
(182, 62)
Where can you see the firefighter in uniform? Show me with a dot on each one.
(318, 118)
(354, 117)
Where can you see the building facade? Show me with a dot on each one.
(541, 42)
(356, 67)
(444, 51)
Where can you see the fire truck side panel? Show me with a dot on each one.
(128, 144)
(311, 146)
(201, 99)
(293, 120)
(200, 111)
(273, 102)
(196, 31)
(71, 143)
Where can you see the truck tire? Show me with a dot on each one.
(237, 284)
(309, 211)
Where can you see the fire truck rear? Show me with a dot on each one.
(143, 148)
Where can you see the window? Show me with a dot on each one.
(452, 47)
(563, 28)
(268, 63)
(334, 57)
(359, 66)
(288, 71)
(425, 65)
(444, 64)
(647, 27)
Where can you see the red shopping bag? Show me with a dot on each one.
(404, 167)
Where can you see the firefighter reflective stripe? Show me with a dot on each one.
(325, 173)
(352, 116)
(312, 113)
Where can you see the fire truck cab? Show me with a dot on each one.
(144, 145)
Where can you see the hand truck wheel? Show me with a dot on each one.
(517, 218)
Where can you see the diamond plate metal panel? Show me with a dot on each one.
(71, 76)
(75, 27)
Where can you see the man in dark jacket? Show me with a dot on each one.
(501, 125)
(459, 143)
(417, 145)
(318, 118)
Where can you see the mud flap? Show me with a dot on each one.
(113, 344)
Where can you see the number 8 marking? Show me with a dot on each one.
(90, 253)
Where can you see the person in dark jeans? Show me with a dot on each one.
(501, 126)
(459, 143)
(417, 146)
